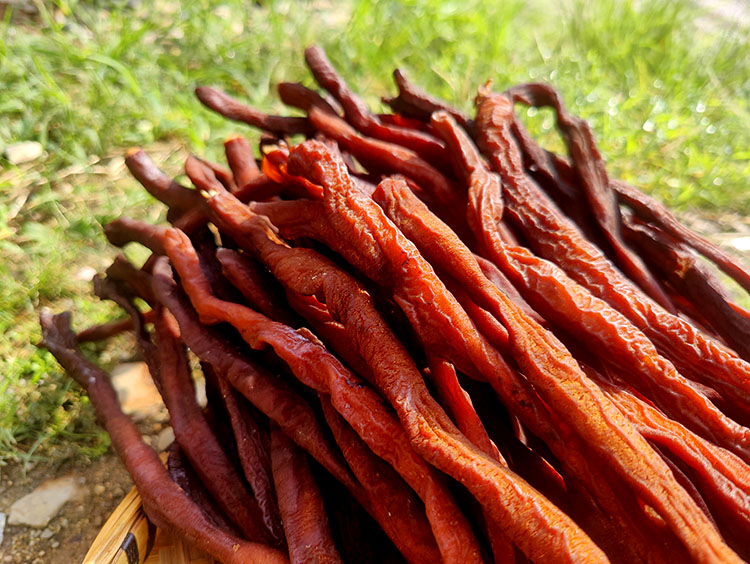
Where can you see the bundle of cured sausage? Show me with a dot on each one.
(427, 339)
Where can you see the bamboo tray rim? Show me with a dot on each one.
(129, 537)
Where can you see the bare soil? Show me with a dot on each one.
(104, 482)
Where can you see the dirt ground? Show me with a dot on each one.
(103, 484)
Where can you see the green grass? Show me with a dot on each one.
(668, 102)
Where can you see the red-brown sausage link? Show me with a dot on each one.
(553, 237)
(301, 505)
(165, 503)
(232, 109)
(593, 181)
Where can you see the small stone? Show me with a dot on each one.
(114, 165)
(8, 558)
(741, 243)
(135, 390)
(85, 274)
(55, 544)
(164, 439)
(23, 152)
(99, 489)
(40, 506)
(200, 392)
(46, 533)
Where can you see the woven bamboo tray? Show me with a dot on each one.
(128, 537)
